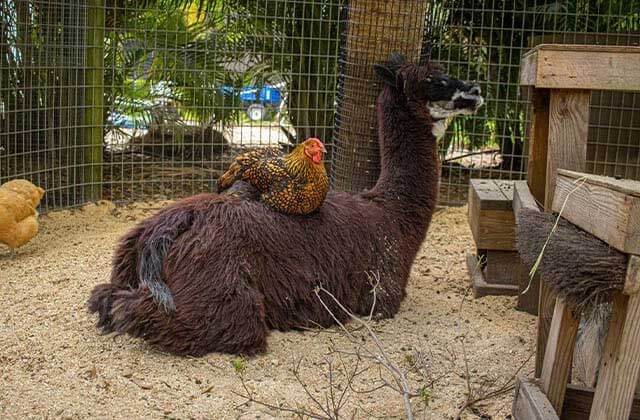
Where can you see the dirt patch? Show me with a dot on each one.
(53, 363)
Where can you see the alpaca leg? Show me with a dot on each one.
(229, 322)
(101, 301)
(240, 325)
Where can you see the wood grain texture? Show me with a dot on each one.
(559, 354)
(503, 267)
(568, 127)
(528, 302)
(522, 198)
(546, 302)
(491, 216)
(529, 68)
(620, 366)
(581, 67)
(530, 402)
(538, 144)
(578, 401)
(632, 281)
(480, 286)
(604, 209)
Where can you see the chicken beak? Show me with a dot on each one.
(324, 149)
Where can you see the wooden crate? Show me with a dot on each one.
(606, 208)
(495, 268)
(491, 214)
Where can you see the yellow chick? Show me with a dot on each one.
(18, 216)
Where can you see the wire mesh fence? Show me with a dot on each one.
(126, 100)
(132, 99)
(484, 40)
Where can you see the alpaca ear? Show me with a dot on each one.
(396, 59)
(385, 73)
(390, 77)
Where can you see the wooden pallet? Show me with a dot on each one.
(598, 205)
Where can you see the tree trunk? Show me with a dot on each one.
(376, 28)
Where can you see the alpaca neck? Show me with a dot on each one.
(410, 169)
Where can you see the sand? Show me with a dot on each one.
(54, 364)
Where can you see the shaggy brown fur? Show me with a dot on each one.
(580, 267)
(236, 268)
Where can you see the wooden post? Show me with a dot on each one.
(559, 354)
(537, 168)
(374, 30)
(620, 365)
(94, 101)
(568, 127)
(567, 149)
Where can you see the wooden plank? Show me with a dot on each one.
(578, 402)
(568, 126)
(620, 366)
(480, 286)
(632, 280)
(559, 354)
(626, 186)
(506, 188)
(602, 206)
(528, 301)
(492, 194)
(530, 402)
(538, 144)
(586, 48)
(490, 216)
(582, 67)
(522, 198)
(503, 267)
(94, 102)
(529, 68)
(546, 304)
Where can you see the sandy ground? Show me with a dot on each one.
(54, 364)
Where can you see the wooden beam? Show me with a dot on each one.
(480, 286)
(605, 207)
(581, 67)
(620, 366)
(578, 402)
(490, 214)
(632, 280)
(559, 354)
(94, 101)
(503, 267)
(522, 198)
(531, 403)
(568, 126)
(538, 144)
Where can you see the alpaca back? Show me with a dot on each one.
(285, 258)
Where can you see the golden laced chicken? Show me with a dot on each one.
(295, 183)
(18, 216)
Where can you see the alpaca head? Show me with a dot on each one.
(427, 87)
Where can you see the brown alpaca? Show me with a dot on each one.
(229, 269)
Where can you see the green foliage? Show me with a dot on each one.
(425, 394)
(239, 365)
(486, 38)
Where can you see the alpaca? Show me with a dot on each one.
(235, 269)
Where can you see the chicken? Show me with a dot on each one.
(18, 216)
(295, 183)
